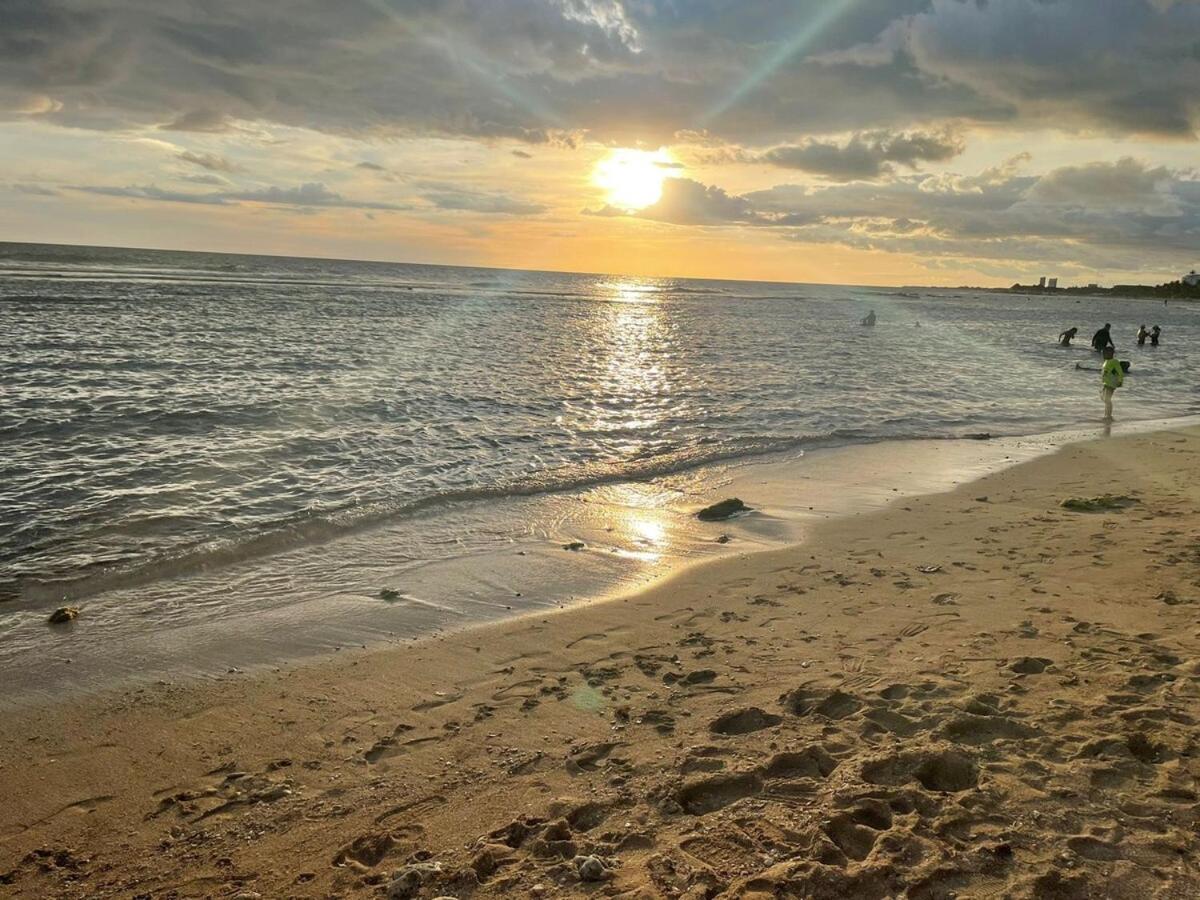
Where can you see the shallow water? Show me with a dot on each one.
(169, 414)
(167, 411)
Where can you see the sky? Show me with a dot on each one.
(939, 142)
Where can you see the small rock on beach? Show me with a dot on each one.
(723, 510)
(1098, 504)
(63, 614)
(590, 868)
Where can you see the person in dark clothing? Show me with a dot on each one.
(1103, 338)
(1154, 335)
(1142, 335)
(1064, 339)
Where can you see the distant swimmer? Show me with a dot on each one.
(1064, 339)
(1155, 333)
(869, 318)
(1142, 335)
(1103, 338)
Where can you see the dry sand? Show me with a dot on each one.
(973, 694)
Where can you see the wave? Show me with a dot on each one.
(699, 290)
(311, 529)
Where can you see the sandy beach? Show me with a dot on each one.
(971, 694)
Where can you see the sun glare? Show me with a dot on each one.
(632, 179)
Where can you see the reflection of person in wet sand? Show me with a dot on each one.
(869, 318)
(1064, 339)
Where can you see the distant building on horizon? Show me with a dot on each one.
(1192, 279)
(1053, 285)
(1042, 281)
(1093, 285)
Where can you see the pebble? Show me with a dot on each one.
(63, 614)
(407, 882)
(590, 868)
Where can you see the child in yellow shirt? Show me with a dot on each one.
(1112, 376)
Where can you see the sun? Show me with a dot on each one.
(632, 179)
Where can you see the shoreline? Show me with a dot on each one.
(975, 691)
(638, 533)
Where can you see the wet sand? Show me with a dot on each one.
(316, 599)
(976, 693)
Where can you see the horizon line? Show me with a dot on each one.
(395, 262)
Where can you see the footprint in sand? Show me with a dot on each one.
(830, 704)
(702, 797)
(366, 851)
(1030, 665)
(743, 721)
(856, 830)
(944, 771)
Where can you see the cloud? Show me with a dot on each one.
(1105, 215)
(522, 154)
(688, 202)
(151, 192)
(756, 74)
(867, 156)
(206, 178)
(36, 190)
(378, 170)
(1124, 185)
(203, 120)
(1128, 66)
(316, 195)
(211, 161)
(452, 197)
(313, 193)
(310, 195)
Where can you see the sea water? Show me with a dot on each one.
(169, 421)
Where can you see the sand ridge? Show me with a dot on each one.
(976, 694)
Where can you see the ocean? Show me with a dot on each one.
(173, 422)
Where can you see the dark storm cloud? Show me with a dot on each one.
(865, 156)
(755, 73)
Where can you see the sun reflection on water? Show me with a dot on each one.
(640, 520)
(627, 291)
(635, 383)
